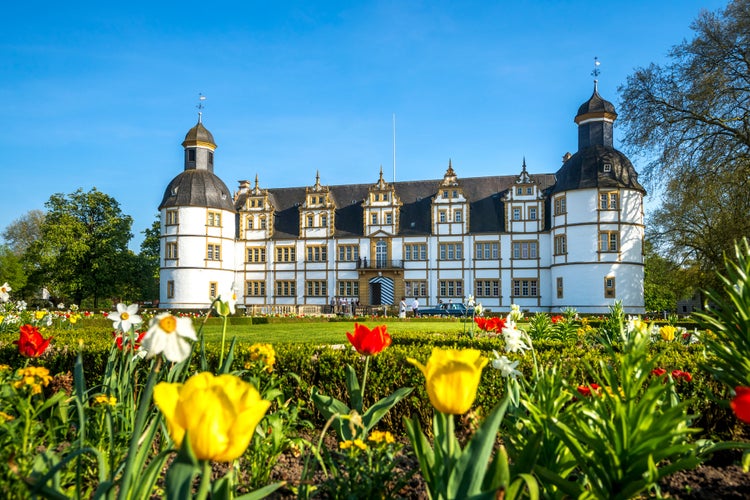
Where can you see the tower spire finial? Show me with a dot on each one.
(596, 72)
(200, 106)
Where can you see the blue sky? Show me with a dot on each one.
(101, 94)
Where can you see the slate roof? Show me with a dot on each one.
(596, 104)
(585, 169)
(198, 133)
(197, 188)
(485, 196)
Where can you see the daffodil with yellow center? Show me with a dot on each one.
(452, 378)
(169, 335)
(218, 414)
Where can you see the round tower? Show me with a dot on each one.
(197, 229)
(597, 220)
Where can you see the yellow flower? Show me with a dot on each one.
(263, 353)
(105, 400)
(40, 314)
(667, 332)
(219, 414)
(5, 417)
(381, 437)
(357, 443)
(452, 378)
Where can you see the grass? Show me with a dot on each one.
(324, 332)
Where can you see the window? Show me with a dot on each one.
(310, 221)
(451, 251)
(443, 216)
(389, 218)
(377, 196)
(607, 167)
(170, 289)
(559, 287)
(451, 288)
(385, 196)
(348, 288)
(529, 190)
(213, 251)
(249, 223)
(286, 288)
(457, 215)
(374, 219)
(415, 251)
(609, 241)
(519, 191)
(609, 287)
(317, 253)
(214, 219)
(317, 288)
(560, 207)
(525, 288)
(262, 222)
(255, 288)
(608, 200)
(348, 253)
(487, 288)
(256, 254)
(524, 249)
(213, 289)
(286, 254)
(516, 213)
(171, 250)
(323, 220)
(210, 157)
(172, 218)
(445, 194)
(561, 244)
(532, 213)
(191, 155)
(417, 288)
(486, 251)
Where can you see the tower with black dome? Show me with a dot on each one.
(197, 229)
(597, 226)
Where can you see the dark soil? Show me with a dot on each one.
(720, 477)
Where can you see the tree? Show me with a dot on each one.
(22, 232)
(660, 281)
(11, 270)
(143, 278)
(690, 122)
(82, 252)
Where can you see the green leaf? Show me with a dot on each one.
(182, 472)
(376, 412)
(330, 406)
(261, 492)
(353, 388)
(229, 359)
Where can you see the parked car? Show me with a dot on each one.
(450, 309)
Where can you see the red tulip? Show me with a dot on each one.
(495, 324)
(658, 372)
(679, 374)
(741, 404)
(585, 390)
(369, 342)
(30, 343)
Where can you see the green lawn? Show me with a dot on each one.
(324, 332)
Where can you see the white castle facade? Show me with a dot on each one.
(573, 238)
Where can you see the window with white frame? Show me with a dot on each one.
(487, 288)
(561, 244)
(256, 254)
(317, 253)
(415, 288)
(170, 250)
(213, 251)
(609, 200)
(560, 205)
(286, 288)
(348, 288)
(525, 249)
(609, 241)
(524, 287)
(286, 254)
(451, 251)
(415, 251)
(348, 253)
(255, 288)
(486, 250)
(609, 287)
(214, 219)
(172, 218)
(451, 288)
(316, 288)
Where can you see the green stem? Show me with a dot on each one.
(144, 408)
(205, 484)
(223, 338)
(364, 380)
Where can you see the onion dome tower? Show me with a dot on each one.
(197, 229)
(597, 219)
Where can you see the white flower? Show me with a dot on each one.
(470, 301)
(61, 306)
(226, 303)
(21, 305)
(167, 334)
(514, 341)
(515, 313)
(5, 292)
(125, 317)
(507, 367)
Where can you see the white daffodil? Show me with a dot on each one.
(125, 317)
(514, 341)
(470, 301)
(21, 305)
(226, 303)
(168, 334)
(507, 367)
(478, 309)
(5, 292)
(515, 313)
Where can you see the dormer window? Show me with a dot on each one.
(385, 196)
(374, 219)
(454, 194)
(445, 194)
(309, 221)
(211, 158)
(324, 221)
(529, 190)
(607, 167)
(388, 218)
(519, 191)
(191, 155)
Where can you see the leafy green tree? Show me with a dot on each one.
(689, 121)
(22, 232)
(143, 277)
(660, 281)
(11, 270)
(82, 252)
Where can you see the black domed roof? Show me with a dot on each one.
(597, 167)
(596, 104)
(198, 133)
(197, 188)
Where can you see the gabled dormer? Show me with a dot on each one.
(381, 209)
(317, 212)
(256, 212)
(450, 208)
(524, 203)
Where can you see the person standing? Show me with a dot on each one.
(402, 308)
(415, 307)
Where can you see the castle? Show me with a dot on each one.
(573, 238)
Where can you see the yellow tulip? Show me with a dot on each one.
(219, 414)
(452, 378)
(667, 332)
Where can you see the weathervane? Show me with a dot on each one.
(595, 73)
(200, 106)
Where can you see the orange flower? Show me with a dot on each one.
(585, 390)
(741, 404)
(369, 342)
(30, 343)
